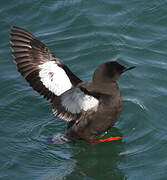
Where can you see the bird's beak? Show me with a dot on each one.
(128, 68)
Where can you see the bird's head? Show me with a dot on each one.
(109, 72)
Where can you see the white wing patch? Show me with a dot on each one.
(54, 78)
(75, 101)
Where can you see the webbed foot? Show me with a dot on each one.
(58, 139)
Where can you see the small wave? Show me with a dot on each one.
(137, 102)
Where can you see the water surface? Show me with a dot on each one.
(84, 34)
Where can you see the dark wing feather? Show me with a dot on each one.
(29, 55)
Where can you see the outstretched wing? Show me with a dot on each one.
(73, 104)
(45, 72)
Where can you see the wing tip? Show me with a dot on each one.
(17, 28)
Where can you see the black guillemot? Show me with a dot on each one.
(91, 108)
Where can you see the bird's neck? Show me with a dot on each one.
(111, 88)
(114, 89)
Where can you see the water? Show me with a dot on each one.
(85, 34)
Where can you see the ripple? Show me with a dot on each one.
(60, 173)
(138, 102)
(85, 34)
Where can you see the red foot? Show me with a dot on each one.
(106, 139)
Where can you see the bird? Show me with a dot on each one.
(90, 108)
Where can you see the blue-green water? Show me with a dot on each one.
(84, 34)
